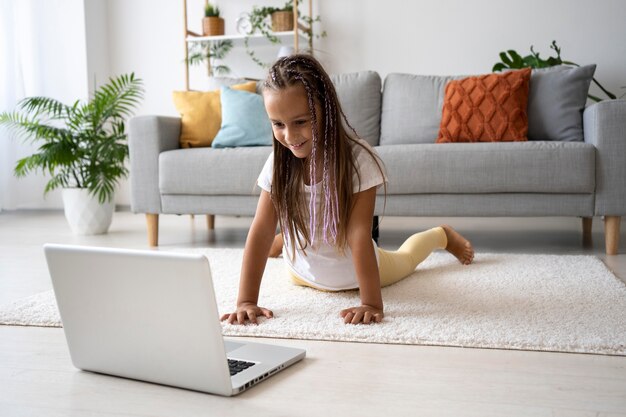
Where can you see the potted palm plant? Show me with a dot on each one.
(83, 147)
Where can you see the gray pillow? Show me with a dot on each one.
(411, 109)
(556, 101)
(360, 96)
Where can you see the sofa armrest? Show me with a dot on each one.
(605, 127)
(149, 136)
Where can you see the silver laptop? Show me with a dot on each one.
(152, 316)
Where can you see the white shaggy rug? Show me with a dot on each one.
(504, 301)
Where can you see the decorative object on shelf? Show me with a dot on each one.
(282, 20)
(268, 20)
(83, 147)
(211, 52)
(212, 23)
(512, 60)
(243, 24)
(258, 18)
(285, 51)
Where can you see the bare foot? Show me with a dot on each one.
(459, 246)
(277, 246)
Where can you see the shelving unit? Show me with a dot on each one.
(238, 39)
(254, 39)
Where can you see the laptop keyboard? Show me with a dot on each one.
(236, 366)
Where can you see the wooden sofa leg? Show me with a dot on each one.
(587, 223)
(210, 221)
(152, 221)
(611, 233)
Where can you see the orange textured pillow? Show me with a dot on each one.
(201, 114)
(486, 108)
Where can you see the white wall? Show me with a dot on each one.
(97, 43)
(45, 56)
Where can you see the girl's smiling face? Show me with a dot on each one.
(288, 110)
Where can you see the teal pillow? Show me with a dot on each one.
(244, 120)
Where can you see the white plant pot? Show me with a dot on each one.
(85, 215)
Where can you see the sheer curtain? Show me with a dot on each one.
(42, 53)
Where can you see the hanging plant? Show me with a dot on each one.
(259, 21)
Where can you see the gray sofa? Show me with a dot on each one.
(583, 178)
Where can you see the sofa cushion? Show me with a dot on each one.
(201, 114)
(411, 108)
(412, 105)
(556, 102)
(244, 120)
(210, 171)
(360, 97)
(487, 108)
(510, 167)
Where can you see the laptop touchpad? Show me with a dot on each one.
(230, 346)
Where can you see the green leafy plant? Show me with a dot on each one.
(512, 60)
(211, 11)
(213, 52)
(83, 145)
(259, 22)
(308, 30)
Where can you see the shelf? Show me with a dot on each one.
(288, 34)
(255, 39)
(290, 38)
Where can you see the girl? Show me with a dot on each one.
(319, 186)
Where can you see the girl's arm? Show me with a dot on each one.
(364, 258)
(257, 248)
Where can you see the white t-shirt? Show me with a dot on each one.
(322, 266)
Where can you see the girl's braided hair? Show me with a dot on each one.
(332, 153)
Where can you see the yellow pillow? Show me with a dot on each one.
(201, 114)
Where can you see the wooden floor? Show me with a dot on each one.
(336, 379)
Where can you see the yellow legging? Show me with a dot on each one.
(394, 266)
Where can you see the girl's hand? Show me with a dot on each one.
(247, 311)
(364, 314)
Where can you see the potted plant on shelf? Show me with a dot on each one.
(269, 20)
(83, 147)
(282, 19)
(212, 23)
